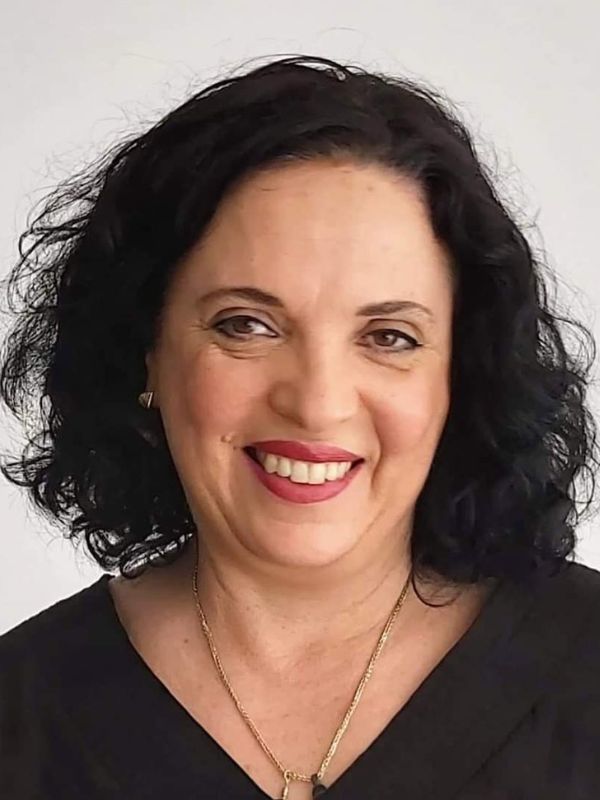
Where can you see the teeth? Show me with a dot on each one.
(303, 471)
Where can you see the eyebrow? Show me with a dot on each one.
(266, 298)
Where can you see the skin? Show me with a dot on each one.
(296, 595)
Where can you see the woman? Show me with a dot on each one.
(305, 392)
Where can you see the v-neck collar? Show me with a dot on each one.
(461, 711)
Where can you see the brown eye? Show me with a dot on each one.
(388, 336)
(237, 327)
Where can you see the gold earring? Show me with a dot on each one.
(145, 399)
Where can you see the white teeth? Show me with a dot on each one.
(303, 471)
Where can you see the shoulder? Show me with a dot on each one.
(582, 591)
(57, 676)
(563, 724)
(47, 642)
(574, 585)
(584, 579)
(569, 603)
(573, 596)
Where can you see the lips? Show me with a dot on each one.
(293, 492)
(304, 451)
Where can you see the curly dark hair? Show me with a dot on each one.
(503, 495)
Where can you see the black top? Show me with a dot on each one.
(512, 712)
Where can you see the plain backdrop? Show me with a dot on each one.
(77, 76)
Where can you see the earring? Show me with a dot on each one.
(145, 399)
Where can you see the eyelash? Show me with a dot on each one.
(240, 337)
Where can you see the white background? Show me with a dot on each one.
(77, 75)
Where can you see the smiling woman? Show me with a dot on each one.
(302, 366)
(326, 375)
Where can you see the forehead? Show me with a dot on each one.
(322, 229)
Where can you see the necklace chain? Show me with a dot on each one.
(288, 774)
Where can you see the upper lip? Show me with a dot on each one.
(305, 451)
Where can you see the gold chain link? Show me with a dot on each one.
(288, 774)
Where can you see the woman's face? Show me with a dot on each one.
(326, 239)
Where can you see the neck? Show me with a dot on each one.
(278, 615)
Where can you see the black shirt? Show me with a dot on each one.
(512, 712)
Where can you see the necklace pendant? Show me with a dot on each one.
(286, 789)
(318, 788)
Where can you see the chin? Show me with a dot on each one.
(303, 551)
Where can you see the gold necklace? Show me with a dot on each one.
(289, 775)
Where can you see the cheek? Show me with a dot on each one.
(411, 420)
(213, 396)
(207, 401)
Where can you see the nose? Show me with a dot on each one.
(315, 389)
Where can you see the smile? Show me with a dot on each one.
(301, 481)
(313, 472)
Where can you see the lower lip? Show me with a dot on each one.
(301, 492)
